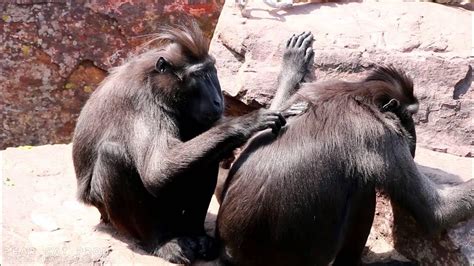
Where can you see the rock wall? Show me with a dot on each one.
(53, 55)
(432, 42)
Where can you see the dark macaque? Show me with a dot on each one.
(148, 142)
(307, 196)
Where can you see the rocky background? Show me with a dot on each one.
(53, 54)
(432, 42)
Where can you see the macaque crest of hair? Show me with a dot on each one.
(402, 85)
(188, 36)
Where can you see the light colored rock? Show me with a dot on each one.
(44, 221)
(396, 236)
(432, 42)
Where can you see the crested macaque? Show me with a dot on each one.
(306, 196)
(148, 142)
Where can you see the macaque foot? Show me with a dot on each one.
(298, 57)
(180, 250)
(207, 248)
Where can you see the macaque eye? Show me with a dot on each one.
(162, 65)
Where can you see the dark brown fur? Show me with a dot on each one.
(148, 142)
(307, 197)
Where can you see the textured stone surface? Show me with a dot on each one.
(53, 55)
(432, 42)
(396, 236)
(42, 223)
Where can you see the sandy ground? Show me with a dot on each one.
(42, 223)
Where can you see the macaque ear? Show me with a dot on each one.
(391, 105)
(162, 65)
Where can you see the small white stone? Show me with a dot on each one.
(45, 222)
